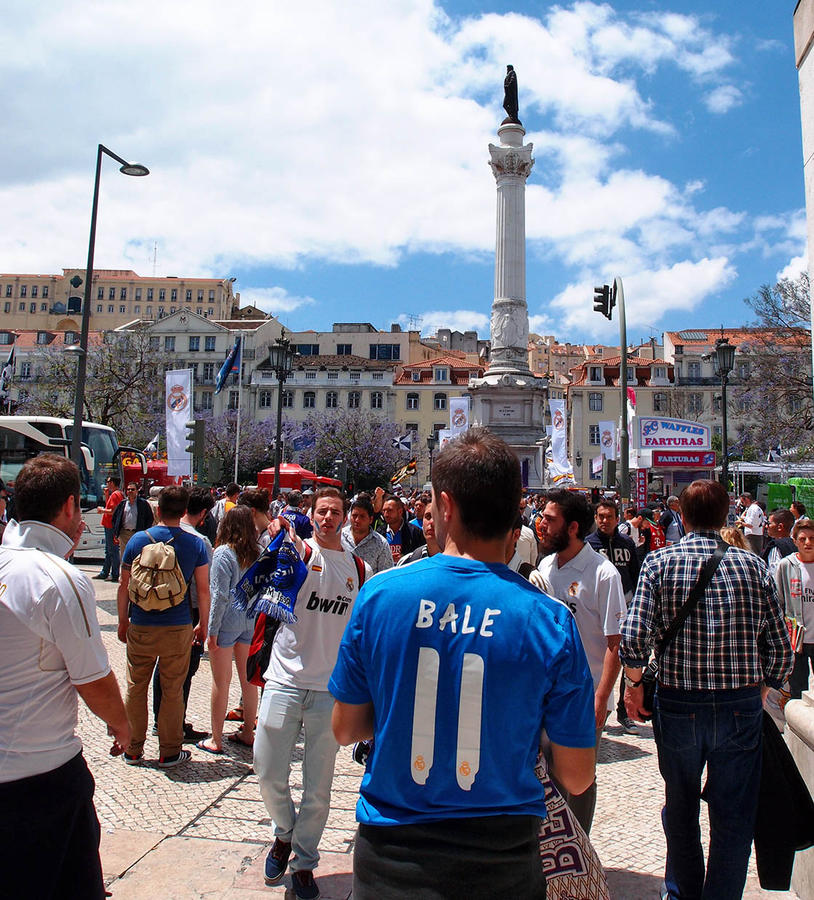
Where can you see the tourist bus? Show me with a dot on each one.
(22, 437)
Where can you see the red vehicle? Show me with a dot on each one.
(156, 473)
(293, 477)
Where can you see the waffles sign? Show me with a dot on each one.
(655, 433)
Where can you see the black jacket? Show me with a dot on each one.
(621, 551)
(785, 547)
(144, 516)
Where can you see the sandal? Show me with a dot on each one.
(237, 738)
(235, 715)
(201, 745)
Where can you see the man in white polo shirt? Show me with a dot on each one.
(50, 652)
(588, 583)
(754, 523)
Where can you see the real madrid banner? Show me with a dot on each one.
(559, 468)
(458, 414)
(607, 439)
(178, 404)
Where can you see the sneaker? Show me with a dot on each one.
(192, 736)
(100, 577)
(167, 762)
(629, 726)
(132, 760)
(305, 888)
(277, 861)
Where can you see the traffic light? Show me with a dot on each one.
(603, 301)
(195, 438)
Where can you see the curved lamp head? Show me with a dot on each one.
(134, 169)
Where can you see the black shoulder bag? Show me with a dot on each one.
(651, 670)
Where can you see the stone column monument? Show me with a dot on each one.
(509, 399)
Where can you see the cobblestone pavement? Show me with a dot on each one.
(201, 830)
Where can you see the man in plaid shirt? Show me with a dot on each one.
(708, 708)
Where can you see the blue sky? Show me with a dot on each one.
(333, 157)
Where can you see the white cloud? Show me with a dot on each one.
(795, 266)
(723, 98)
(456, 320)
(274, 300)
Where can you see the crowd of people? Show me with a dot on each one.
(470, 641)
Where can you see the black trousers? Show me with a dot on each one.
(478, 858)
(49, 836)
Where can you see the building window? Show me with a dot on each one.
(5, 337)
(194, 344)
(137, 309)
(149, 293)
(695, 403)
(7, 307)
(264, 400)
(199, 311)
(208, 373)
(148, 312)
(412, 401)
(23, 290)
(416, 376)
(439, 401)
(442, 374)
(593, 435)
(743, 370)
(169, 344)
(42, 337)
(123, 294)
(206, 399)
(385, 351)
(22, 307)
(309, 400)
(209, 343)
(43, 307)
(693, 370)
(376, 400)
(138, 293)
(288, 399)
(25, 371)
(34, 290)
(660, 402)
(311, 375)
(331, 400)
(71, 337)
(188, 296)
(595, 373)
(162, 294)
(32, 307)
(172, 310)
(307, 349)
(193, 367)
(122, 309)
(354, 399)
(210, 311)
(174, 294)
(8, 290)
(111, 293)
(211, 295)
(333, 376)
(595, 402)
(100, 293)
(660, 372)
(344, 350)
(154, 340)
(98, 307)
(200, 296)
(378, 376)
(355, 376)
(110, 308)
(233, 399)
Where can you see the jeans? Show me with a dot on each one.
(171, 645)
(721, 729)
(283, 710)
(111, 564)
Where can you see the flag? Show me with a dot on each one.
(458, 414)
(231, 364)
(178, 405)
(401, 473)
(596, 464)
(403, 443)
(152, 447)
(5, 375)
(559, 468)
(607, 439)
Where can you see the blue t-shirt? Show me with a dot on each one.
(465, 663)
(301, 522)
(190, 551)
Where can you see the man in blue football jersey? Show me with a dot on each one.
(454, 666)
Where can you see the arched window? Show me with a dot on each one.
(412, 401)
(331, 400)
(439, 401)
(309, 400)
(354, 399)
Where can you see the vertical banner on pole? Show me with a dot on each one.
(607, 439)
(458, 414)
(178, 405)
(560, 468)
(641, 487)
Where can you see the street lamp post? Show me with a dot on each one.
(724, 358)
(432, 443)
(126, 168)
(281, 357)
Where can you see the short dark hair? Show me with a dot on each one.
(115, 479)
(329, 491)
(294, 498)
(232, 489)
(43, 485)
(799, 506)
(575, 507)
(608, 504)
(482, 475)
(200, 498)
(363, 501)
(705, 504)
(257, 499)
(173, 501)
(784, 517)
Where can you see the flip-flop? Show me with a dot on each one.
(235, 738)
(202, 746)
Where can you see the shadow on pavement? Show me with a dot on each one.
(625, 885)
(620, 751)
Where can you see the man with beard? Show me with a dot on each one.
(588, 583)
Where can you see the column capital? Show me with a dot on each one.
(511, 161)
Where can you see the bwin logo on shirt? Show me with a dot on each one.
(337, 607)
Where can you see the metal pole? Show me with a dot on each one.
(82, 362)
(239, 399)
(624, 441)
(278, 440)
(724, 437)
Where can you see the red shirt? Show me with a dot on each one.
(113, 500)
